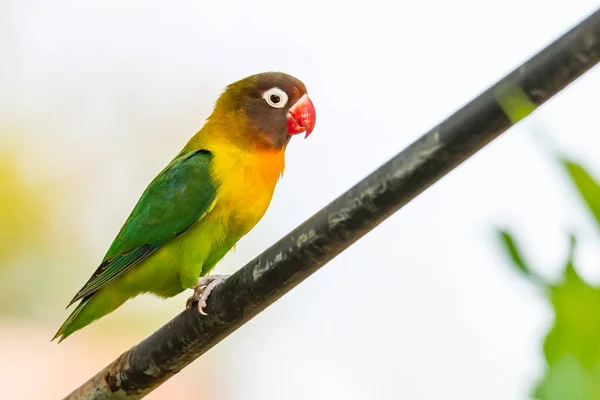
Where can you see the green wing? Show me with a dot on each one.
(178, 197)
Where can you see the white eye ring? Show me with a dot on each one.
(275, 97)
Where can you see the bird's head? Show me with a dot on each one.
(265, 110)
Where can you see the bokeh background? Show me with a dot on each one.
(96, 97)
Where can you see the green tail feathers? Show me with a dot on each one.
(69, 326)
(93, 307)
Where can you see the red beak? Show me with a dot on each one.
(301, 117)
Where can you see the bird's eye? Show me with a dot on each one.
(275, 97)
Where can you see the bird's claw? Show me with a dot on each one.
(202, 290)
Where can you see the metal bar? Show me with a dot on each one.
(310, 246)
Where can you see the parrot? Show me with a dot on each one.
(203, 202)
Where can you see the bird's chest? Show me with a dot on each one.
(246, 186)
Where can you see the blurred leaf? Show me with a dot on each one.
(576, 329)
(567, 379)
(507, 240)
(512, 250)
(572, 347)
(587, 187)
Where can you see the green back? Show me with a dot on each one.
(177, 198)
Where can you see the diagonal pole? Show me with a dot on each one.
(307, 248)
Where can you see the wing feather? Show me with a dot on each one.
(176, 199)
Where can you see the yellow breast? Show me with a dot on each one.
(246, 181)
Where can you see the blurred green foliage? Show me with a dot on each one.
(23, 209)
(26, 204)
(39, 243)
(572, 347)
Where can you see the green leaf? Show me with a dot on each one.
(572, 347)
(567, 379)
(513, 252)
(587, 187)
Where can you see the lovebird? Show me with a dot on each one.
(198, 207)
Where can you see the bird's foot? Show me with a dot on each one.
(202, 290)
